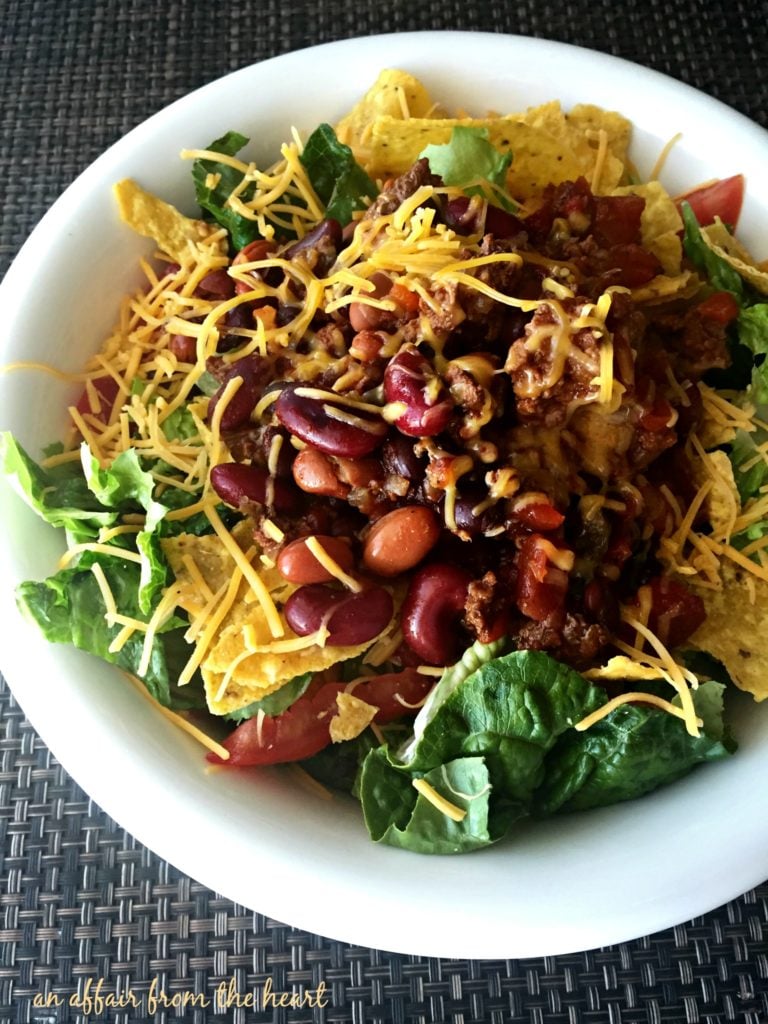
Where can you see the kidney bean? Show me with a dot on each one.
(466, 519)
(401, 539)
(235, 482)
(368, 318)
(324, 241)
(297, 564)
(431, 612)
(183, 347)
(464, 215)
(407, 380)
(316, 474)
(309, 420)
(350, 618)
(216, 285)
(241, 405)
(398, 457)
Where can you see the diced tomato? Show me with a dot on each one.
(267, 316)
(676, 612)
(304, 728)
(658, 417)
(107, 389)
(540, 516)
(721, 199)
(720, 307)
(617, 220)
(636, 265)
(541, 586)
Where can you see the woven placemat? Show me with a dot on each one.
(81, 900)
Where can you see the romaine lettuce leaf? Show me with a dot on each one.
(720, 274)
(277, 702)
(469, 156)
(213, 199)
(60, 496)
(630, 752)
(68, 607)
(512, 719)
(123, 485)
(397, 815)
(339, 181)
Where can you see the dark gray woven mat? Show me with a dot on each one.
(83, 900)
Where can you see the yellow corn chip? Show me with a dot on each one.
(734, 630)
(663, 288)
(394, 94)
(585, 117)
(722, 503)
(352, 718)
(660, 224)
(153, 218)
(723, 244)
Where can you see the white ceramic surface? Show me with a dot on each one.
(568, 884)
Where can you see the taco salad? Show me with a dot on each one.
(432, 458)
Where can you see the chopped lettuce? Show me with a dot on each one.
(500, 745)
(123, 485)
(469, 156)
(720, 274)
(61, 495)
(212, 198)
(337, 178)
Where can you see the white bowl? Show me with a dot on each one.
(258, 838)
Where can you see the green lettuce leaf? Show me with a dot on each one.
(337, 178)
(68, 608)
(123, 485)
(630, 752)
(212, 200)
(396, 814)
(60, 496)
(720, 274)
(510, 721)
(469, 156)
(277, 702)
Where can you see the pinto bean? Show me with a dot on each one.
(432, 610)
(350, 618)
(367, 318)
(401, 539)
(257, 250)
(315, 473)
(297, 564)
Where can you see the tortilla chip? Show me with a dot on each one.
(723, 244)
(259, 674)
(722, 504)
(153, 218)
(353, 717)
(663, 288)
(391, 95)
(585, 117)
(734, 630)
(660, 224)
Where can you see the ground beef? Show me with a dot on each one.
(482, 611)
(390, 198)
(530, 368)
(695, 343)
(578, 643)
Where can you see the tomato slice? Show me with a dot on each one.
(107, 389)
(721, 199)
(303, 729)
